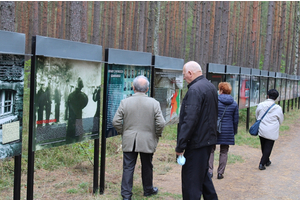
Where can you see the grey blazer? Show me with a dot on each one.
(139, 119)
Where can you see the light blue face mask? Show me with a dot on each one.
(181, 160)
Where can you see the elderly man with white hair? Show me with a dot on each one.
(197, 133)
(140, 122)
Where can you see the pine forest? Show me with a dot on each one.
(253, 34)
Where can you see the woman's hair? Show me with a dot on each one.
(225, 87)
(273, 94)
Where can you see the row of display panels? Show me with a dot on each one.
(66, 93)
(250, 86)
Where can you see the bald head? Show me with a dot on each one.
(141, 84)
(193, 66)
(191, 70)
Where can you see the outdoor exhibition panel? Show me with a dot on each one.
(168, 84)
(278, 84)
(66, 79)
(298, 81)
(263, 85)
(295, 86)
(271, 81)
(289, 87)
(12, 55)
(215, 73)
(283, 92)
(244, 100)
(122, 66)
(254, 87)
(233, 77)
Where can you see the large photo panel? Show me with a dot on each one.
(66, 101)
(11, 104)
(168, 88)
(120, 86)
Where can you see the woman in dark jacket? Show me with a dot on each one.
(229, 126)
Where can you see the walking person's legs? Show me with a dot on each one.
(211, 160)
(266, 150)
(223, 159)
(195, 179)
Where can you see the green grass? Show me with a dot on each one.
(72, 191)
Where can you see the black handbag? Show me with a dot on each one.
(219, 122)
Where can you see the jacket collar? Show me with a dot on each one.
(139, 94)
(195, 80)
(270, 100)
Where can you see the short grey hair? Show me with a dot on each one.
(141, 86)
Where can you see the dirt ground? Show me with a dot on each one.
(281, 180)
(242, 180)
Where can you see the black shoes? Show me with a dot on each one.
(261, 167)
(154, 192)
(220, 176)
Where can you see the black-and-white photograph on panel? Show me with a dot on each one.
(67, 101)
(11, 104)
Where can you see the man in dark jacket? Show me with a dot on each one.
(197, 133)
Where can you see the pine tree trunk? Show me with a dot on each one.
(141, 26)
(267, 53)
(52, 23)
(206, 46)
(253, 35)
(231, 35)
(83, 20)
(166, 33)
(192, 38)
(134, 26)
(293, 68)
(96, 24)
(274, 49)
(281, 37)
(63, 17)
(75, 20)
(184, 24)
(203, 31)
(151, 21)
(35, 26)
(68, 20)
(197, 33)
(156, 29)
(59, 30)
(218, 15)
(7, 15)
(287, 66)
(103, 26)
(224, 31)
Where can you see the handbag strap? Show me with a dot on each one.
(224, 112)
(267, 111)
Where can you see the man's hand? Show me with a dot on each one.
(178, 154)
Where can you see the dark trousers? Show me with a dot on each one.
(129, 161)
(195, 178)
(266, 149)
